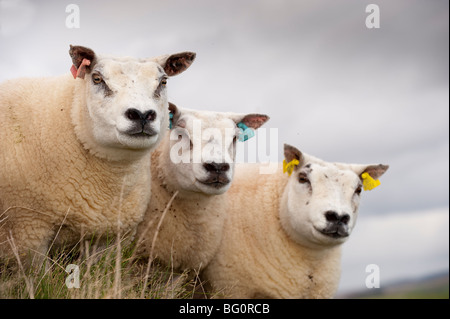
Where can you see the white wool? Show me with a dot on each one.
(191, 229)
(70, 163)
(277, 241)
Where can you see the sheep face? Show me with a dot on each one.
(321, 199)
(126, 98)
(203, 148)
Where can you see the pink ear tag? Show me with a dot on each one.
(80, 73)
(73, 70)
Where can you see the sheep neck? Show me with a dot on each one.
(287, 268)
(191, 226)
(165, 188)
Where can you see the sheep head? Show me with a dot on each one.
(125, 99)
(201, 150)
(320, 203)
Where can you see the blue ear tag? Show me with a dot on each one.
(245, 133)
(170, 120)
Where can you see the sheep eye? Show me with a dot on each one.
(303, 179)
(162, 84)
(358, 190)
(97, 79)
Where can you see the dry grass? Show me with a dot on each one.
(113, 271)
(108, 267)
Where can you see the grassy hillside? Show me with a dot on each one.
(104, 272)
(115, 271)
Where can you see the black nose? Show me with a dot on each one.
(335, 218)
(217, 168)
(137, 116)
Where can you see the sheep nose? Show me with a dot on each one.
(137, 116)
(215, 167)
(335, 218)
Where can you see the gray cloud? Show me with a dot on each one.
(418, 244)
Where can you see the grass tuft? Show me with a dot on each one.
(105, 271)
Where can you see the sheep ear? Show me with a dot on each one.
(292, 153)
(176, 63)
(254, 121)
(173, 109)
(174, 114)
(375, 171)
(248, 123)
(83, 60)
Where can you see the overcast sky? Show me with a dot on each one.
(332, 87)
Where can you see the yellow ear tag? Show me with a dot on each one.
(368, 182)
(289, 167)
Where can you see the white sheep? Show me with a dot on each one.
(188, 234)
(282, 236)
(76, 152)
